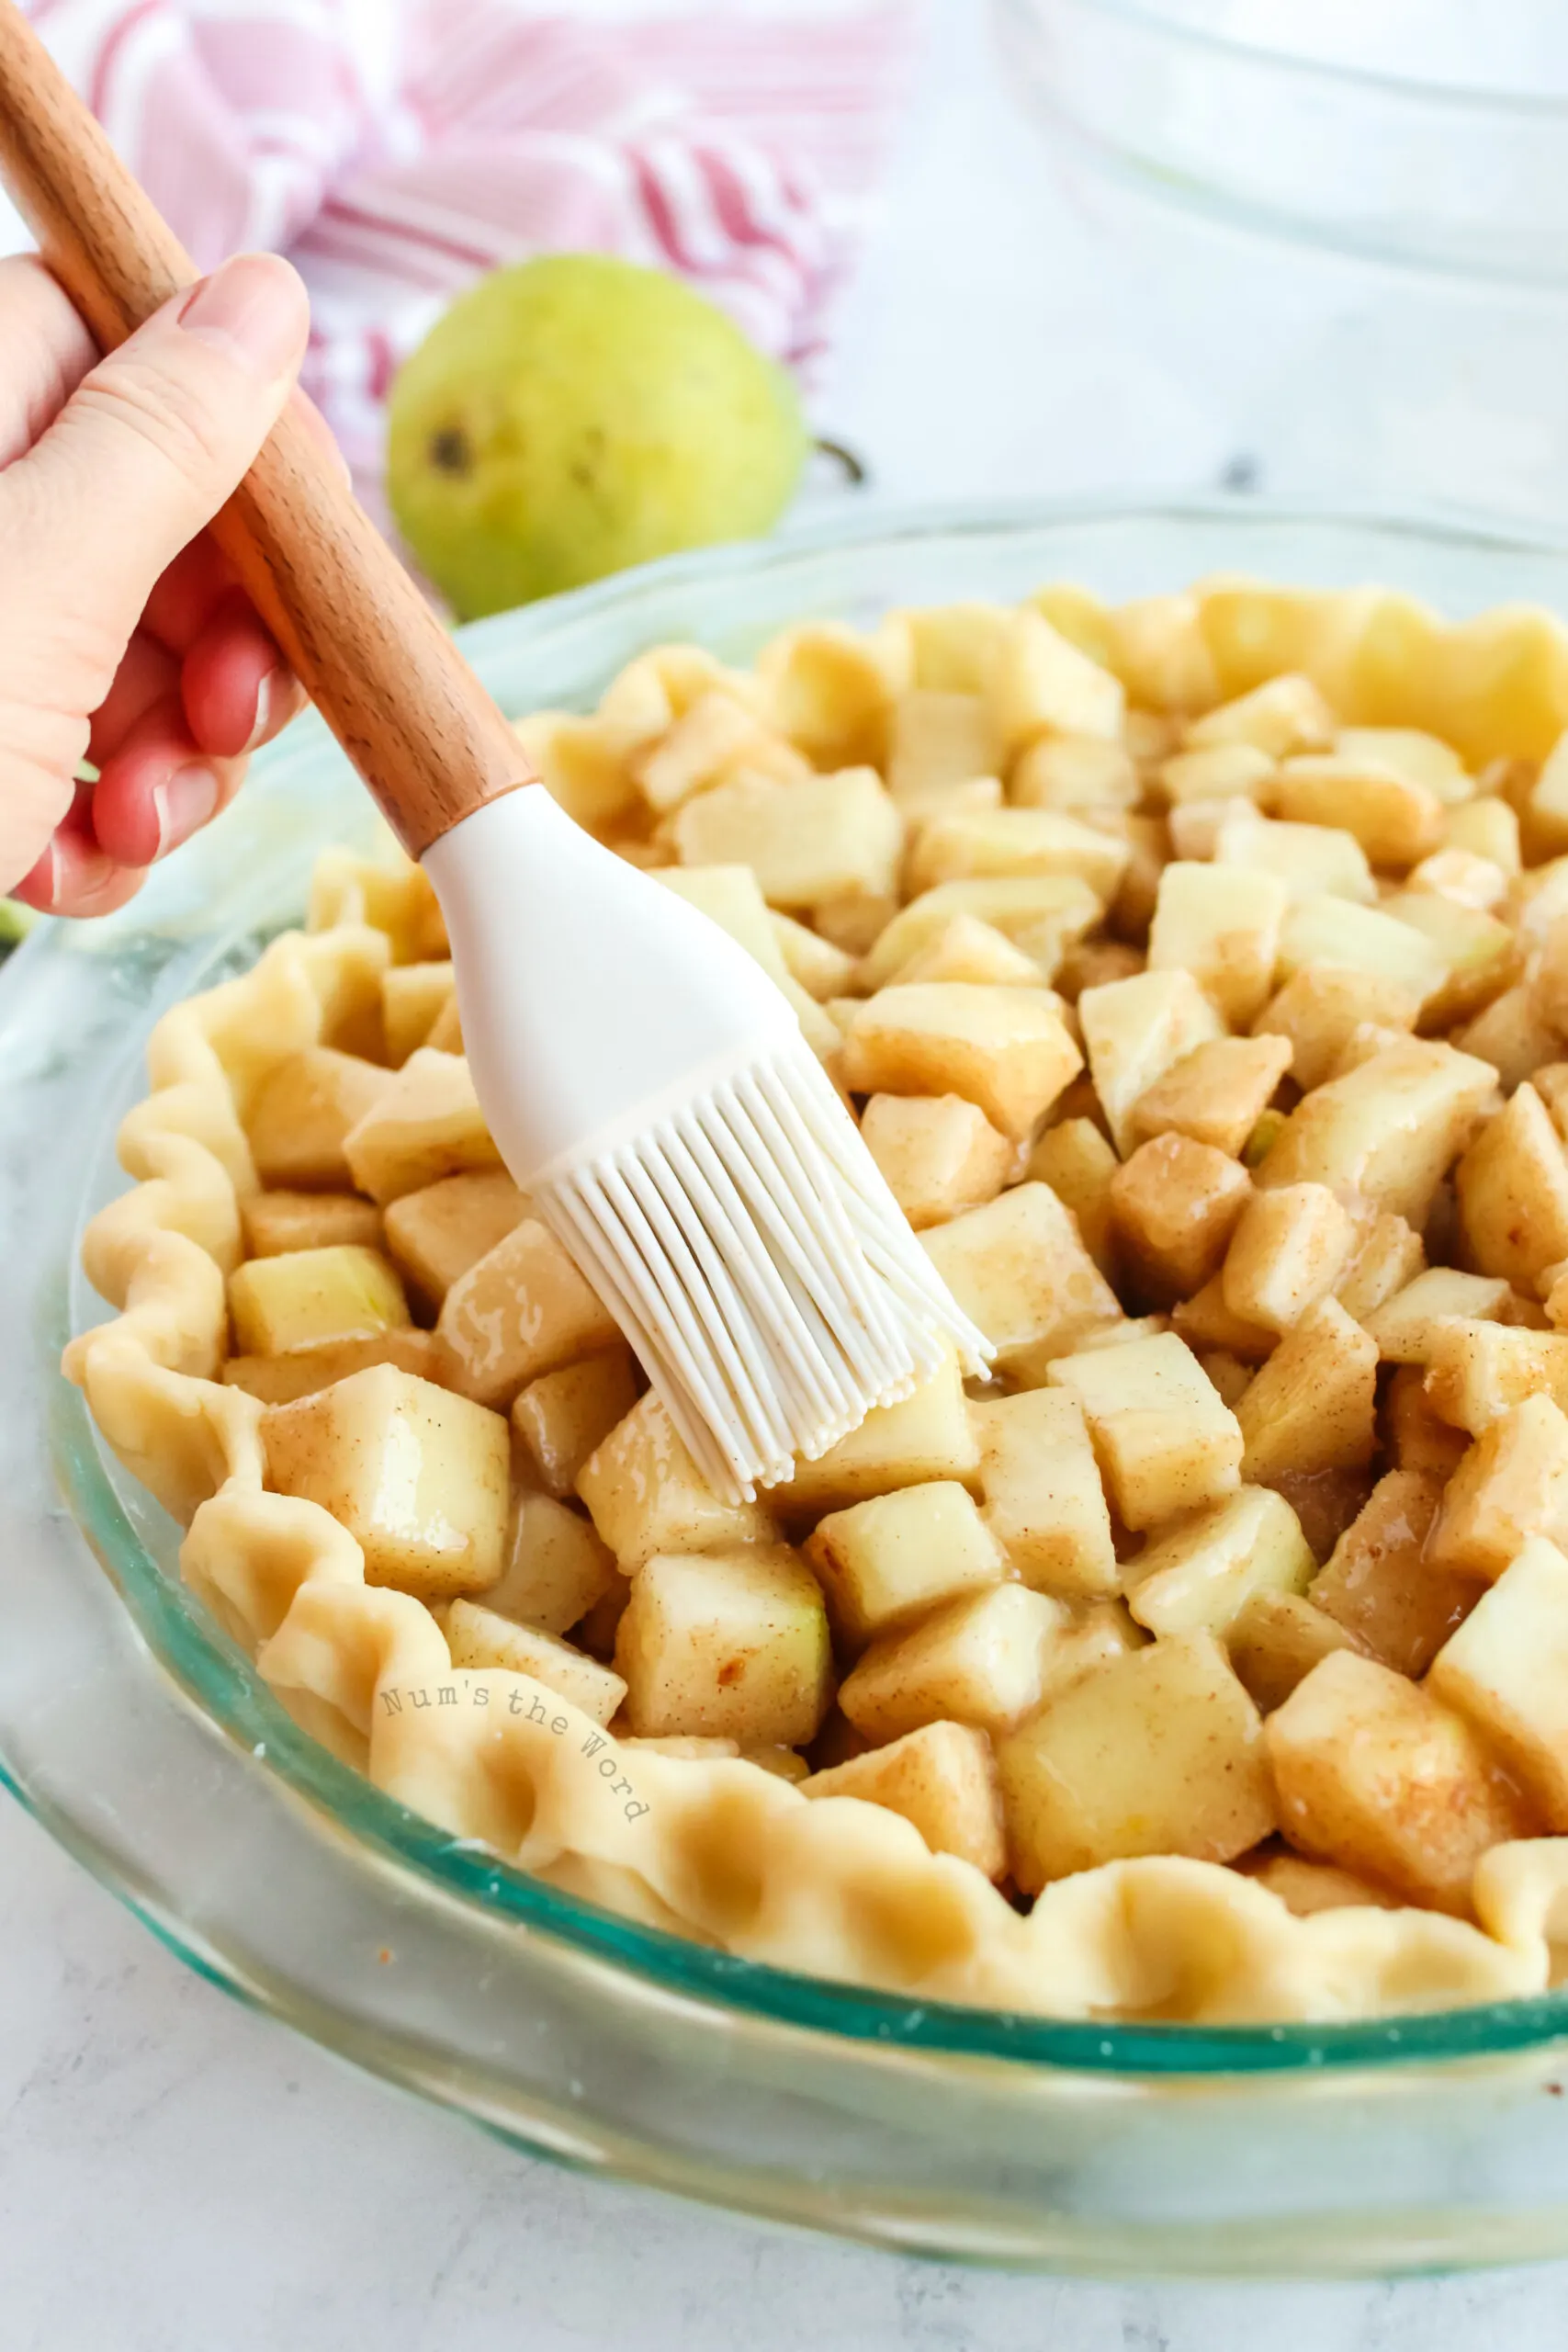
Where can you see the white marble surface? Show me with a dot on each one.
(176, 2173)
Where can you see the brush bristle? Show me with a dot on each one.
(754, 1255)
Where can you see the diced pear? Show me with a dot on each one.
(1389, 1130)
(1042, 913)
(1290, 1248)
(1409, 751)
(1044, 1503)
(940, 1154)
(1487, 828)
(711, 741)
(521, 1310)
(1397, 820)
(582, 761)
(1076, 1161)
(1223, 924)
(980, 1661)
(1174, 1207)
(1327, 930)
(1306, 1887)
(1285, 715)
(1276, 1640)
(732, 1643)
(1006, 1050)
(1504, 1669)
(418, 1478)
(829, 688)
(1415, 1437)
(278, 1380)
(1224, 771)
(437, 1234)
(644, 1494)
(953, 648)
(811, 961)
(303, 1110)
(1313, 1406)
(1322, 1004)
(805, 840)
(1134, 1032)
(1216, 1094)
(1202, 1575)
(559, 1417)
(557, 1569)
(1039, 682)
(446, 1029)
(1477, 1372)
(314, 1298)
(940, 734)
(884, 1562)
(943, 1778)
(1312, 861)
(1374, 1774)
(425, 1124)
(1388, 1255)
(1477, 950)
(1461, 875)
(1380, 1585)
(1513, 1034)
(1015, 840)
(1511, 1484)
(1513, 1193)
(1406, 1325)
(1070, 772)
(925, 1438)
(1158, 651)
(411, 997)
(968, 949)
(479, 1639)
(1020, 1273)
(1228, 1375)
(1164, 1441)
(1205, 1321)
(274, 1223)
(1160, 1752)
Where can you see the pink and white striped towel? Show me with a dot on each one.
(396, 149)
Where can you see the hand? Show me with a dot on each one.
(124, 640)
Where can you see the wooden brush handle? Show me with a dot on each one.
(419, 726)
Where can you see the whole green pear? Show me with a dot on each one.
(575, 414)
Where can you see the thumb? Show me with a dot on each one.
(149, 447)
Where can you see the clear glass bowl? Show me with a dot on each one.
(151, 1749)
(1343, 228)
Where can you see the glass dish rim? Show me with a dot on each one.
(213, 1676)
(1438, 97)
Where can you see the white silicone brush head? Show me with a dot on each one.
(649, 1089)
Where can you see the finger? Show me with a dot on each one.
(148, 674)
(74, 877)
(236, 692)
(152, 442)
(186, 597)
(47, 350)
(159, 788)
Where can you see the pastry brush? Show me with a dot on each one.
(646, 1083)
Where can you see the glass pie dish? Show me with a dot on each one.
(149, 1746)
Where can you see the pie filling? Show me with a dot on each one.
(1198, 970)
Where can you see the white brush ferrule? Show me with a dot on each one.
(592, 998)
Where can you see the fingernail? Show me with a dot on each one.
(256, 308)
(265, 695)
(182, 805)
(39, 886)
